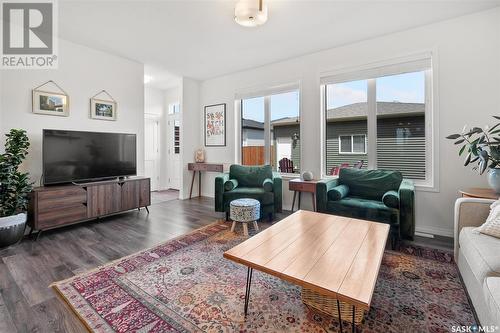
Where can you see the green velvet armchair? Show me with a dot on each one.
(255, 182)
(375, 195)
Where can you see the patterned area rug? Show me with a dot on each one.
(185, 285)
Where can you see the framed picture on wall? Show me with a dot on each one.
(50, 103)
(215, 125)
(102, 109)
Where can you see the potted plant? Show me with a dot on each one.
(482, 149)
(15, 187)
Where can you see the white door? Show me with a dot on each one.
(151, 151)
(284, 148)
(174, 151)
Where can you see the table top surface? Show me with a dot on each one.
(480, 192)
(332, 255)
(299, 180)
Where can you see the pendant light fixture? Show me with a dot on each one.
(250, 13)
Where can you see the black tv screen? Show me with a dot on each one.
(73, 156)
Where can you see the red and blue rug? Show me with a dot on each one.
(185, 285)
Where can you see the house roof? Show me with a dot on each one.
(249, 123)
(351, 112)
(360, 110)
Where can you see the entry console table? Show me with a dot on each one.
(200, 167)
(56, 206)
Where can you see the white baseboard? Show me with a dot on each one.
(434, 231)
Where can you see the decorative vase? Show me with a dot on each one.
(199, 156)
(12, 229)
(307, 175)
(494, 179)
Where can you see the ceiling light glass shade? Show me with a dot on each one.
(250, 13)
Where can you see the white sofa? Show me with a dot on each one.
(478, 259)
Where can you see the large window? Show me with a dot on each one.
(270, 131)
(346, 125)
(380, 122)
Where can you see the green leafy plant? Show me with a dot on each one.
(15, 186)
(481, 146)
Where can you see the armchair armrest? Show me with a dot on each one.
(219, 191)
(407, 209)
(322, 188)
(469, 212)
(278, 192)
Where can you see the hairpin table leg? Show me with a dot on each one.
(340, 316)
(247, 291)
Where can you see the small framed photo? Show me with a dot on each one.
(54, 104)
(102, 109)
(215, 125)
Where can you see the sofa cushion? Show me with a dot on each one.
(491, 290)
(482, 253)
(391, 199)
(258, 193)
(370, 184)
(267, 185)
(250, 176)
(364, 209)
(492, 225)
(230, 185)
(338, 192)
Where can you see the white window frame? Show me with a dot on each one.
(266, 93)
(352, 152)
(422, 61)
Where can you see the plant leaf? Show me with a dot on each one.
(453, 136)
(462, 150)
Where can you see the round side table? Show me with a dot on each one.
(244, 211)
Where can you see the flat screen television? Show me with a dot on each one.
(74, 156)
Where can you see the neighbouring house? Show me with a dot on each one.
(400, 138)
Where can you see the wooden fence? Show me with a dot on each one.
(254, 155)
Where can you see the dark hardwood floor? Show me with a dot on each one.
(27, 304)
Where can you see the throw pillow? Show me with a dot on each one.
(268, 185)
(338, 192)
(230, 185)
(391, 199)
(492, 225)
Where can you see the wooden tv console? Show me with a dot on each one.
(56, 206)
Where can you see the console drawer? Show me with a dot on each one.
(57, 199)
(61, 216)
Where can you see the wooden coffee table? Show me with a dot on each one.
(335, 257)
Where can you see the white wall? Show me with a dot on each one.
(190, 134)
(82, 72)
(154, 101)
(172, 96)
(154, 108)
(467, 72)
(2, 138)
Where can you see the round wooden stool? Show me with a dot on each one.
(244, 211)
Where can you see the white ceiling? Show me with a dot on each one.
(199, 39)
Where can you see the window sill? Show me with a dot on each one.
(288, 176)
(426, 188)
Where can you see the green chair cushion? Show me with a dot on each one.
(365, 209)
(258, 193)
(338, 192)
(268, 185)
(391, 199)
(250, 176)
(230, 184)
(370, 184)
